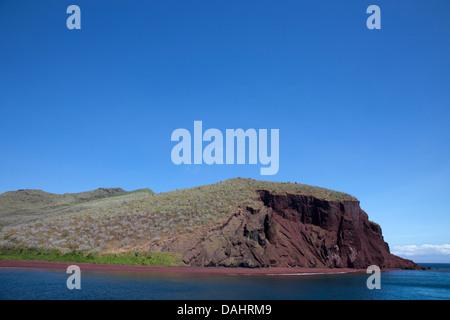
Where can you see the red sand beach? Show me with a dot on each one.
(162, 269)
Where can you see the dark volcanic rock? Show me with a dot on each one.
(289, 230)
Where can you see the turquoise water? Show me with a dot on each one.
(17, 283)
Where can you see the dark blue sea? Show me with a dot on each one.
(17, 283)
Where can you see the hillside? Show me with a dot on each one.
(228, 223)
(26, 205)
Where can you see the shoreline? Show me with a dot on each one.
(56, 265)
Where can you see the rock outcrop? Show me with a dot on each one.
(289, 230)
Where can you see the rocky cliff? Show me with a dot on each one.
(288, 230)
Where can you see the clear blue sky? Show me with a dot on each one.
(361, 111)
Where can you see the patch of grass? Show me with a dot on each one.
(136, 258)
(8, 235)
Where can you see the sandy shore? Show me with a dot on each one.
(161, 269)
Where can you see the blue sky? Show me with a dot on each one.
(362, 111)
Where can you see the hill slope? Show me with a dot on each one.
(27, 204)
(230, 223)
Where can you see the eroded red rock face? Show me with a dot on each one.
(289, 230)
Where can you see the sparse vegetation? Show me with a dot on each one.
(27, 205)
(132, 221)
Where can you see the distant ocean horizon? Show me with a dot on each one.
(44, 284)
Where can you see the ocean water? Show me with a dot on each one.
(21, 283)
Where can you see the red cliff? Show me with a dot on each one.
(289, 230)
